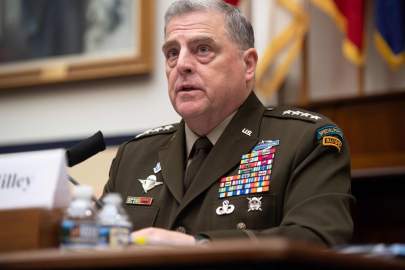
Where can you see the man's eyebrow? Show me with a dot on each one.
(194, 40)
(202, 40)
(168, 44)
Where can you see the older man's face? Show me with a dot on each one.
(206, 71)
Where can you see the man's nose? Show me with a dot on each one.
(185, 63)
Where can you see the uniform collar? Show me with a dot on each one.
(213, 136)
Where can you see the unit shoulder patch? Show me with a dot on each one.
(330, 136)
(293, 113)
(155, 131)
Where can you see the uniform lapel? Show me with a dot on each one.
(172, 160)
(227, 152)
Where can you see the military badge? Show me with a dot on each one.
(328, 130)
(332, 141)
(330, 136)
(255, 204)
(149, 183)
(225, 209)
(266, 145)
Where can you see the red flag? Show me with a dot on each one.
(232, 2)
(349, 16)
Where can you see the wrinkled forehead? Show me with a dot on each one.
(209, 21)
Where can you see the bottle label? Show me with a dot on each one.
(78, 234)
(113, 236)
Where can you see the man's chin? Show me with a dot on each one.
(189, 111)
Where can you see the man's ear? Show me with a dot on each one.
(250, 59)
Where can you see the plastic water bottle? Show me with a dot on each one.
(114, 226)
(79, 225)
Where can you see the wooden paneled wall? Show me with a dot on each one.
(375, 129)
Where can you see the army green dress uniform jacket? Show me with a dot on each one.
(308, 197)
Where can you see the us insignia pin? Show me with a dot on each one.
(149, 183)
(255, 204)
(247, 132)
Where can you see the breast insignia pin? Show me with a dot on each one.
(149, 183)
(225, 209)
(255, 204)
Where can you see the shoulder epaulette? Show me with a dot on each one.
(292, 113)
(155, 131)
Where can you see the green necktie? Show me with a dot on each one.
(198, 153)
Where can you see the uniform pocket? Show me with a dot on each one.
(142, 216)
(253, 212)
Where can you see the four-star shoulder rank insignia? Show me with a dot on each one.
(302, 114)
(155, 131)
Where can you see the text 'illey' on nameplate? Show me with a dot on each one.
(34, 179)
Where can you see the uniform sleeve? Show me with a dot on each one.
(317, 198)
(110, 185)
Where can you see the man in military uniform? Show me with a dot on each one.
(231, 168)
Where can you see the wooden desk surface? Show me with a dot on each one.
(264, 254)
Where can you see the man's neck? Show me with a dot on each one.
(213, 135)
(204, 125)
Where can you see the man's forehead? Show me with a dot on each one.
(195, 21)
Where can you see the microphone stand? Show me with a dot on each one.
(98, 203)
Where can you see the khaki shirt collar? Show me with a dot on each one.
(213, 136)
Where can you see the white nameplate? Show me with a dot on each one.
(34, 179)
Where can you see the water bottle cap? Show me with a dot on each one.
(83, 191)
(112, 198)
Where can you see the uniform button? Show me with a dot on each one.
(181, 229)
(241, 226)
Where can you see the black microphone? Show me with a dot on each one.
(82, 151)
(85, 149)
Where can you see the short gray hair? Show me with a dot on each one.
(238, 27)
